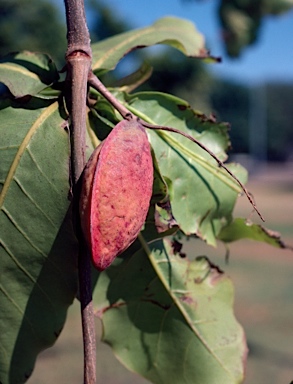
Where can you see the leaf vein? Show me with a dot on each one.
(41, 171)
(34, 127)
(179, 305)
(14, 68)
(22, 232)
(18, 308)
(34, 203)
(30, 277)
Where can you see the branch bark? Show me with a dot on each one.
(78, 37)
(78, 59)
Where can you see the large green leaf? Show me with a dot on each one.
(170, 319)
(27, 73)
(38, 278)
(178, 33)
(202, 195)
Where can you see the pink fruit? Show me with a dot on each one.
(116, 192)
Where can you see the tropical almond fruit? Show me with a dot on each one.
(116, 191)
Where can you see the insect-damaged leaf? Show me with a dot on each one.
(170, 319)
(178, 33)
(240, 228)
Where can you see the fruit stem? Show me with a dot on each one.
(96, 83)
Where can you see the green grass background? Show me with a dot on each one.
(263, 280)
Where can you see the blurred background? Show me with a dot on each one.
(252, 89)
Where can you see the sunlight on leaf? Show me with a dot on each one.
(27, 73)
(170, 319)
(178, 33)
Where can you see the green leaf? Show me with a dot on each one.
(160, 186)
(240, 228)
(170, 319)
(178, 33)
(159, 221)
(38, 262)
(135, 79)
(27, 73)
(102, 119)
(202, 194)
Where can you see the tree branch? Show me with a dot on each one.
(78, 58)
(78, 37)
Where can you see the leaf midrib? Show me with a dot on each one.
(21, 70)
(140, 33)
(177, 302)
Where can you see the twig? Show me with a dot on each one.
(126, 114)
(78, 58)
(220, 163)
(99, 86)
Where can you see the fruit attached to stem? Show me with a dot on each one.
(116, 191)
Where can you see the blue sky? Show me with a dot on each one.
(270, 58)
